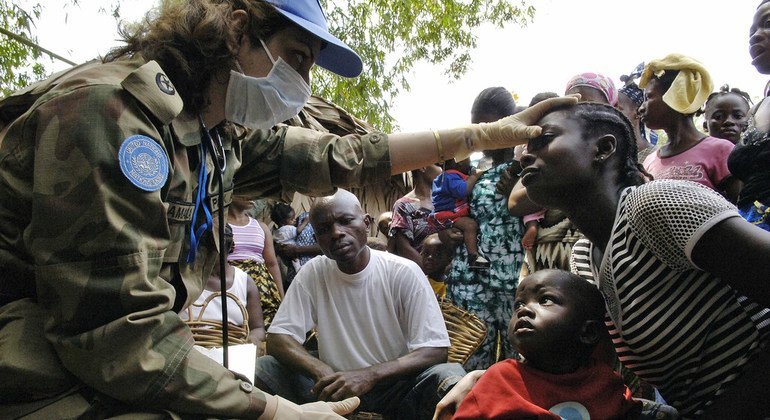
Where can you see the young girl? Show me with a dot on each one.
(675, 87)
(726, 113)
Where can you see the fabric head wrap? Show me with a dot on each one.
(597, 81)
(691, 87)
(634, 93)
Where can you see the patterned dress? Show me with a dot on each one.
(411, 219)
(305, 238)
(489, 293)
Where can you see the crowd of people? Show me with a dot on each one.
(615, 251)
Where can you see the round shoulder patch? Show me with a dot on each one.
(143, 162)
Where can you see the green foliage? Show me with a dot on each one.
(19, 64)
(391, 36)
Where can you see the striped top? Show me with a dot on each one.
(249, 242)
(679, 328)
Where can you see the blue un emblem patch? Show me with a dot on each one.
(143, 162)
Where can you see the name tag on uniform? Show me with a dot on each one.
(180, 212)
(214, 200)
(143, 162)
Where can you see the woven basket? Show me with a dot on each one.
(208, 333)
(466, 331)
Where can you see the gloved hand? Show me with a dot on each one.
(279, 409)
(507, 132)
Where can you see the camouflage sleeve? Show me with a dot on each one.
(98, 242)
(310, 162)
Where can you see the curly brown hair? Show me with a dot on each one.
(195, 41)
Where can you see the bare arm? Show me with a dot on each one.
(254, 309)
(519, 204)
(341, 385)
(271, 261)
(291, 353)
(448, 405)
(739, 253)
(404, 248)
(471, 182)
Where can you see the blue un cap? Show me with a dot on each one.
(336, 57)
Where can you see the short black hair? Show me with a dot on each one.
(540, 97)
(496, 101)
(726, 90)
(280, 212)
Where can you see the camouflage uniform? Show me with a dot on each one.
(93, 268)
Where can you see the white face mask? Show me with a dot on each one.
(263, 102)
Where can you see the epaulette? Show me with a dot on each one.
(150, 86)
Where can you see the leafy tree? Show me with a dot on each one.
(19, 64)
(390, 35)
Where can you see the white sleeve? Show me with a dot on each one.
(671, 216)
(295, 314)
(285, 234)
(421, 318)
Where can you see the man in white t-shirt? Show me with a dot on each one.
(381, 335)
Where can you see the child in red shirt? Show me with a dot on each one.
(558, 319)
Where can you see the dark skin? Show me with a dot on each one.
(422, 179)
(436, 256)
(726, 116)
(733, 249)
(550, 326)
(681, 131)
(467, 225)
(341, 228)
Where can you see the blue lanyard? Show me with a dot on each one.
(200, 201)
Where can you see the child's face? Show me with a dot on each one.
(547, 321)
(727, 116)
(291, 220)
(435, 257)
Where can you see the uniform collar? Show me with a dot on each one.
(187, 129)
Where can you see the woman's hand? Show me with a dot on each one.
(288, 250)
(446, 408)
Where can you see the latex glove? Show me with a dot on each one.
(446, 408)
(507, 132)
(279, 409)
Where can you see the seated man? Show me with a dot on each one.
(381, 334)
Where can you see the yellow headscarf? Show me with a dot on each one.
(690, 88)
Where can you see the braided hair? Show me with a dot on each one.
(726, 90)
(598, 119)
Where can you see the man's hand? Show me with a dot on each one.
(341, 385)
(446, 408)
